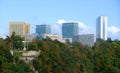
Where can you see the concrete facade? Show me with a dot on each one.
(86, 39)
(101, 28)
(20, 28)
(53, 37)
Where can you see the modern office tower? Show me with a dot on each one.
(101, 28)
(20, 28)
(43, 29)
(86, 39)
(69, 29)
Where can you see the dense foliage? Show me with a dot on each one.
(56, 57)
(7, 64)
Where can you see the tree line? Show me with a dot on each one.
(57, 57)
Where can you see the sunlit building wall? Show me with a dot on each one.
(20, 28)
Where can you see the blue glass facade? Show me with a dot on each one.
(43, 29)
(69, 29)
(98, 28)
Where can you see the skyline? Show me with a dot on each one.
(53, 12)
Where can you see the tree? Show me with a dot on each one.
(33, 46)
(14, 41)
(4, 65)
(19, 68)
(57, 57)
(8, 41)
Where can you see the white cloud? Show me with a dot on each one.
(82, 25)
(113, 29)
(60, 21)
(56, 29)
(114, 32)
(83, 29)
(2, 36)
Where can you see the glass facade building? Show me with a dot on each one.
(69, 29)
(101, 28)
(43, 29)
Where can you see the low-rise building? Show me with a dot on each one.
(53, 37)
(86, 39)
(29, 56)
(30, 37)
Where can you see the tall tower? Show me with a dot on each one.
(69, 29)
(101, 27)
(43, 29)
(20, 28)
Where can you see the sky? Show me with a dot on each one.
(55, 12)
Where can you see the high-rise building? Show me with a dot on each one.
(69, 29)
(43, 29)
(86, 39)
(101, 28)
(20, 28)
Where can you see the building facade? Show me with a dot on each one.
(43, 29)
(101, 28)
(69, 29)
(52, 37)
(20, 28)
(86, 39)
(30, 37)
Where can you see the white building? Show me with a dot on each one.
(52, 37)
(31, 53)
(29, 56)
(101, 27)
(86, 39)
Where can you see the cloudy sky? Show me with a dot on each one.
(55, 12)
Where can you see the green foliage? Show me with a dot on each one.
(19, 68)
(14, 41)
(4, 65)
(33, 46)
(57, 57)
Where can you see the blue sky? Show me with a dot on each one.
(56, 11)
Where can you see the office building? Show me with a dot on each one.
(20, 28)
(43, 29)
(86, 39)
(101, 28)
(69, 29)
